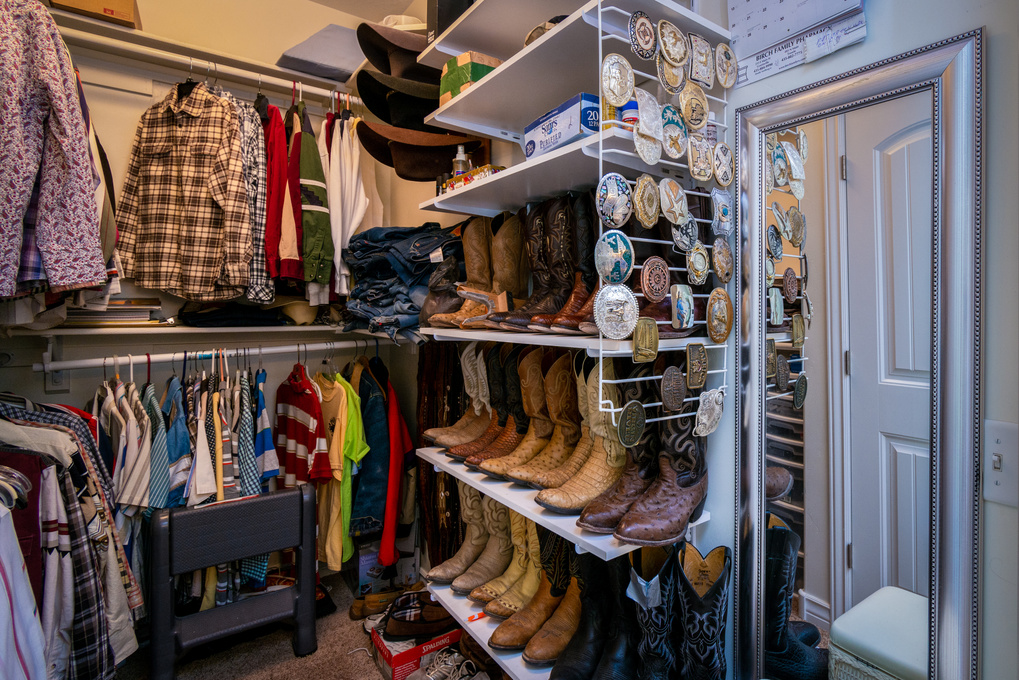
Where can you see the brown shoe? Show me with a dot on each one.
(484, 594)
(516, 631)
(518, 422)
(537, 258)
(570, 323)
(494, 559)
(544, 648)
(558, 476)
(468, 367)
(475, 539)
(561, 398)
(510, 270)
(539, 429)
(603, 513)
(520, 593)
(477, 244)
(494, 356)
(676, 497)
(778, 482)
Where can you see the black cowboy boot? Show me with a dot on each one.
(785, 656)
(580, 658)
(619, 659)
(656, 618)
(701, 605)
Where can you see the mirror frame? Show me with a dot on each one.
(952, 70)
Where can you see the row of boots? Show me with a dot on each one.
(536, 419)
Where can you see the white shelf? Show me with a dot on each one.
(585, 342)
(481, 630)
(574, 166)
(785, 463)
(788, 506)
(784, 419)
(521, 500)
(493, 27)
(784, 440)
(562, 63)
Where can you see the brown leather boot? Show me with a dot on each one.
(561, 254)
(494, 559)
(532, 390)
(778, 482)
(582, 366)
(585, 276)
(510, 269)
(676, 497)
(561, 397)
(520, 593)
(494, 354)
(516, 631)
(477, 243)
(570, 323)
(517, 424)
(605, 464)
(487, 592)
(537, 259)
(475, 539)
(545, 647)
(603, 513)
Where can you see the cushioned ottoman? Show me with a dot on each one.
(882, 638)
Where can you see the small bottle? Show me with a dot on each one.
(460, 163)
(438, 185)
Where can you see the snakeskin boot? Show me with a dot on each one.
(558, 476)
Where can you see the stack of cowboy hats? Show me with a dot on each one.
(401, 93)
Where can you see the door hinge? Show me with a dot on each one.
(843, 170)
(849, 556)
(847, 362)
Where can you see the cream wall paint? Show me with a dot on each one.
(896, 26)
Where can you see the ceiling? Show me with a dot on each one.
(374, 10)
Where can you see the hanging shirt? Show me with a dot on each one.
(291, 230)
(300, 432)
(42, 134)
(346, 180)
(265, 449)
(275, 185)
(178, 442)
(400, 445)
(159, 460)
(355, 448)
(183, 217)
(22, 651)
(328, 473)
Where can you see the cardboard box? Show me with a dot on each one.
(371, 577)
(396, 662)
(575, 118)
(459, 73)
(117, 11)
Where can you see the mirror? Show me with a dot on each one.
(860, 351)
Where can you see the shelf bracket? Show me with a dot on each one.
(54, 381)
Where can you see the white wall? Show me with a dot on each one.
(896, 26)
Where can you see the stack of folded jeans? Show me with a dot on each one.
(390, 267)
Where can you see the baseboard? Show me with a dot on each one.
(815, 610)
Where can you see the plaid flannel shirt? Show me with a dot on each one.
(183, 218)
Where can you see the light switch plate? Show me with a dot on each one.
(1001, 462)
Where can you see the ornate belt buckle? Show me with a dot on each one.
(777, 306)
(774, 242)
(723, 164)
(643, 39)
(646, 201)
(702, 62)
(721, 258)
(790, 285)
(780, 166)
(781, 219)
(782, 374)
(725, 65)
(654, 279)
(697, 264)
(770, 358)
(719, 315)
(616, 79)
(615, 311)
(672, 78)
(645, 340)
(674, 132)
(798, 331)
(696, 366)
(673, 389)
(769, 271)
(698, 157)
(631, 423)
(721, 202)
(797, 226)
(682, 306)
(672, 200)
(613, 256)
(709, 412)
(672, 44)
(693, 104)
(800, 391)
(614, 200)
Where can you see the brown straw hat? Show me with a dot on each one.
(415, 155)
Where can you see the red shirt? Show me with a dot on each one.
(399, 445)
(276, 184)
(300, 432)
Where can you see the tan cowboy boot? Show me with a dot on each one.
(484, 594)
(518, 422)
(603, 466)
(520, 593)
(475, 539)
(477, 244)
(539, 429)
(561, 398)
(559, 476)
(497, 553)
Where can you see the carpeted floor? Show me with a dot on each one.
(266, 654)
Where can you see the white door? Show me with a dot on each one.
(888, 199)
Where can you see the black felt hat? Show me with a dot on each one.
(398, 101)
(394, 52)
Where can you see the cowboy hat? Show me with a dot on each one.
(394, 52)
(398, 101)
(415, 155)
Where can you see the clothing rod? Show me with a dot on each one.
(198, 66)
(207, 354)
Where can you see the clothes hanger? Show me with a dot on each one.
(261, 102)
(187, 87)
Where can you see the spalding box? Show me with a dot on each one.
(575, 118)
(396, 662)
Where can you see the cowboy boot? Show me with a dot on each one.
(476, 378)
(580, 657)
(603, 513)
(510, 270)
(561, 398)
(619, 658)
(494, 559)
(778, 482)
(570, 324)
(494, 355)
(558, 476)
(517, 423)
(655, 616)
(520, 593)
(475, 538)
(537, 259)
(516, 631)
(605, 464)
(442, 297)
(487, 592)
(532, 389)
(785, 656)
(559, 250)
(585, 276)
(677, 496)
(468, 361)
(545, 647)
(702, 600)
(477, 243)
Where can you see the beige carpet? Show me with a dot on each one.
(266, 654)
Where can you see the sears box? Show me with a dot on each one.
(568, 122)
